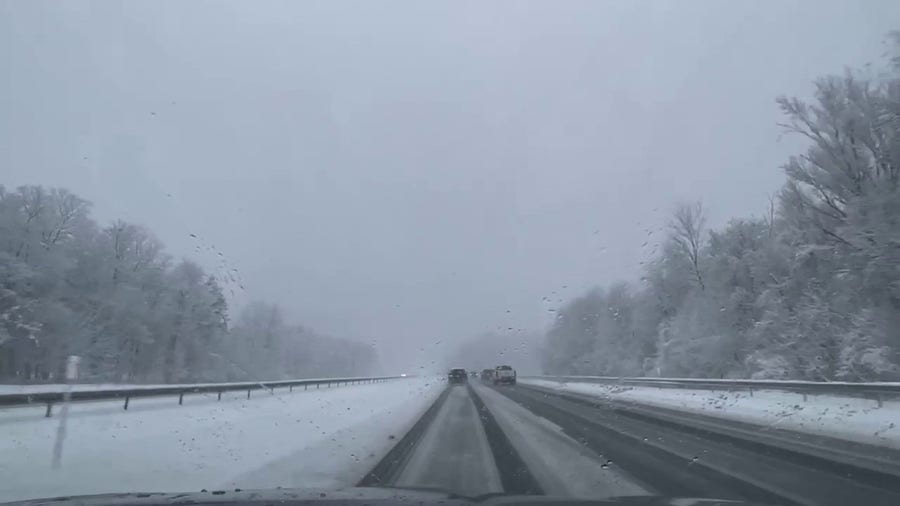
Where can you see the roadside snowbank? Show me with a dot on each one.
(850, 418)
(315, 438)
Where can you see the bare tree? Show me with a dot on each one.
(769, 218)
(687, 228)
(66, 210)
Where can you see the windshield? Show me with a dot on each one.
(248, 244)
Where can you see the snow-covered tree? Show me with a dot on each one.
(810, 291)
(113, 296)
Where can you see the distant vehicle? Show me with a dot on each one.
(504, 374)
(457, 376)
(487, 375)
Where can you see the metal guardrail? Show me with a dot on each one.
(876, 391)
(126, 394)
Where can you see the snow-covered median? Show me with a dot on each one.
(315, 438)
(850, 418)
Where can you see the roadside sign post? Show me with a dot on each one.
(71, 375)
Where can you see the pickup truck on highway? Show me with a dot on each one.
(504, 374)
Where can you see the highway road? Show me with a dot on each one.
(466, 463)
(479, 439)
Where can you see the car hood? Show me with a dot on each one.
(357, 496)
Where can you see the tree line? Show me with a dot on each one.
(114, 297)
(810, 290)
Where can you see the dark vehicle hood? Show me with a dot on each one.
(353, 496)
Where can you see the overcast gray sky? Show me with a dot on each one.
(415, 173)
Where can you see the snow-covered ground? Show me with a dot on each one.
(849, 418)
(317, 438)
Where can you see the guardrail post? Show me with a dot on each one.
(248, 393)
(125, 407)
(804, 396)
(180, 398)
(305, 387)
(879, 400)
(49, 410)
(290, 388)
(220, 396)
